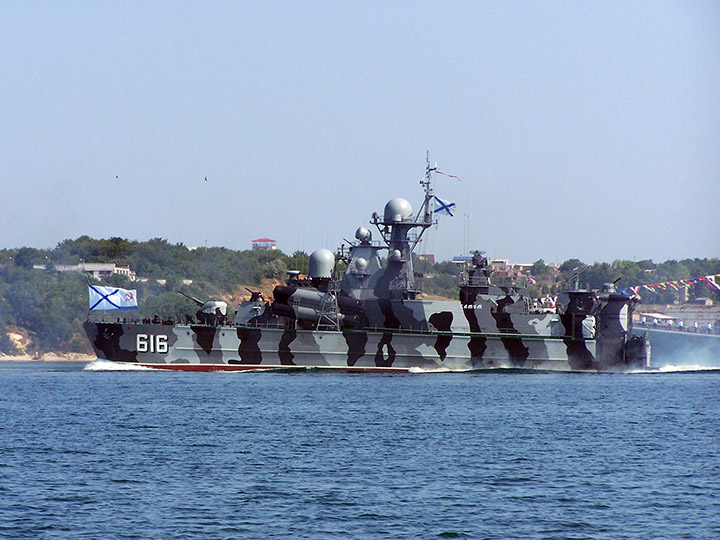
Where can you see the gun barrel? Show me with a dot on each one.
(198, 302)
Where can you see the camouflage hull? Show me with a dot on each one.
(372, 316)
(231, 348)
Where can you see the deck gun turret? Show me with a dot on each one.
(212, 312)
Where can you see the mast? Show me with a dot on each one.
(402, 230)
(426, 210)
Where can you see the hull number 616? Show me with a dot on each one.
(151, 343)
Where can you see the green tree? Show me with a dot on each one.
(274, 269)
(539, 268)
(27, 257)
(568, 266)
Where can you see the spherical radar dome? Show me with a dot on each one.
(398, 210)
(361, 264)
(363, 235)
(321, 263)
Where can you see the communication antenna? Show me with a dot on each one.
(466, 235)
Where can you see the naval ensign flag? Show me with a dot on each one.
(112, 298)
(444, 207)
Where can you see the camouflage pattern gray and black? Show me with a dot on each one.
(373, 318)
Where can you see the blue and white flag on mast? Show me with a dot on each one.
(112, 298)
(444, 207)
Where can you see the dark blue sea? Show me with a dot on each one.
(134, 454)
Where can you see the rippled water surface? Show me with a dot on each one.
(109, 454)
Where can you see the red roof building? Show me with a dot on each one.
(264, 244)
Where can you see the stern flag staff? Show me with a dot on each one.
(112, 298)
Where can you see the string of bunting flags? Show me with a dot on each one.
(711, 281)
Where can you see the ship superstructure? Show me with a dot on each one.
(373, 317)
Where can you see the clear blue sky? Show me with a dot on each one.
(579, 129)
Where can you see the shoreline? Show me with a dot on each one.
(49, 357)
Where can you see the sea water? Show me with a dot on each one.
(100, 453)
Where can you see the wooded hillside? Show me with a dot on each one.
(48, 307)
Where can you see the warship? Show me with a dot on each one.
(372, 316)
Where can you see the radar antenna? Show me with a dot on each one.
(574, 277)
